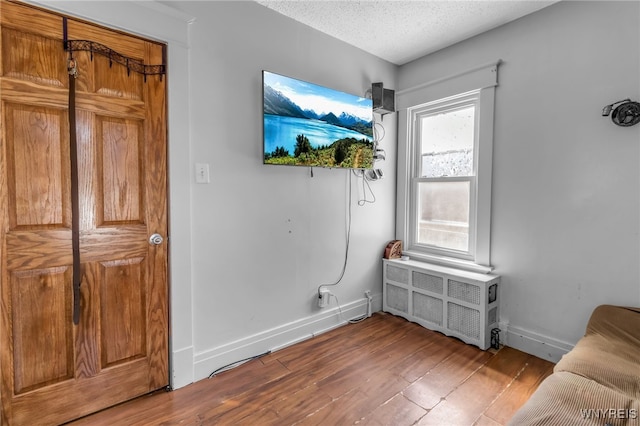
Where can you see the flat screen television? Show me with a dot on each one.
(309, 125)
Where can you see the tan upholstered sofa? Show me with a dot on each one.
(598, 381)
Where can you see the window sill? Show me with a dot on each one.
(451, 262)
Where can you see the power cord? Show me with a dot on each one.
(377, 125)
(351, 321)
(372, 174)
(365, 186)
(346, 253)
(344, 266)
(236, 363)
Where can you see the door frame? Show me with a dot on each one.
(165, 24)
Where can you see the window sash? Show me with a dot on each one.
(417, 114)
(414, 219)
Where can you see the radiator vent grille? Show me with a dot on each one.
(399, 275)
(464, 291)
(398, 298)
(464, 320)
(427, 282)
(427, 308)
(455, 302)
(493, 316)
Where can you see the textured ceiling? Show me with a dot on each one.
(401, 31)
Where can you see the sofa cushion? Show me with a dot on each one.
(617, 323)
(597, 382)
(567, 399)
(609, 353)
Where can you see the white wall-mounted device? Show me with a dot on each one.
(323, 297)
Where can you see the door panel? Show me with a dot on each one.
(119, 161)
(35, 166)
(52, 370)
(32, 57)
(123, 307)
(44, 339)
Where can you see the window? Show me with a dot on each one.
(444, 176)
(444, 169)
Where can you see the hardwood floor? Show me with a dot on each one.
(381, 371)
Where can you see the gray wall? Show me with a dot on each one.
(265, 237)
(566, 181)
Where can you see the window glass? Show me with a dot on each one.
(443, 214)
(446, 141)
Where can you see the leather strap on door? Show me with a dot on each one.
(75, 219)
(132, 65)
(73, 153)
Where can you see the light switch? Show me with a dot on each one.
(202, 173)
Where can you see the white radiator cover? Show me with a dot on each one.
(454, 302)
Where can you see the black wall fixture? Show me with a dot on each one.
(626, 114)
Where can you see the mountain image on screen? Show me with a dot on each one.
(310, 125)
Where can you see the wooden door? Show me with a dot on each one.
(51, 369)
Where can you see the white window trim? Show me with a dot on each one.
(481, 80)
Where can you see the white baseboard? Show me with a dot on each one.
(181, 367)
(189, 367)
(535, 344)
(204, 363)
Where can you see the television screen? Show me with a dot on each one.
(314, 126)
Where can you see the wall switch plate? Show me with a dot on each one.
(202, 173)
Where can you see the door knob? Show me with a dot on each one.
(156, 239)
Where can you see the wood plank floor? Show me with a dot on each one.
(381, 371)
